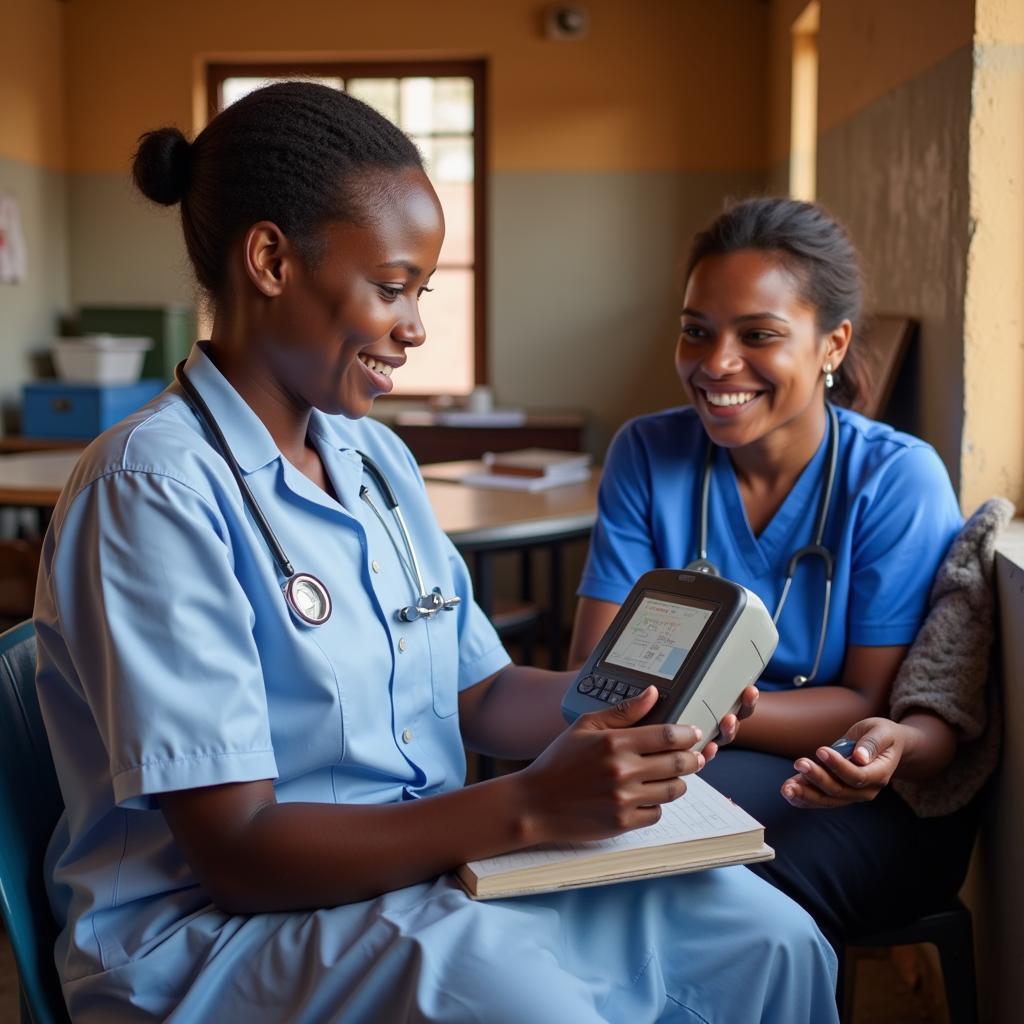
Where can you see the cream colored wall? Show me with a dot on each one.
(993, 436)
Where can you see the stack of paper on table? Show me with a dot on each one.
(702, 829)
(531, 469)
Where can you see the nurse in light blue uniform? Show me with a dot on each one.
(175, 682)
(772, 294)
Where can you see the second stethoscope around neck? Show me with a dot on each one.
(307, 596)
(816, 549)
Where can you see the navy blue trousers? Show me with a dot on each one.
(853, 869)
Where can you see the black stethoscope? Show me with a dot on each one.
(307, 596)
(815, 549)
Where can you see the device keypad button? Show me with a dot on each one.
(621, 688)
(586, 685)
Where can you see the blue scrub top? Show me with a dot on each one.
(892, 517)
(168, 658)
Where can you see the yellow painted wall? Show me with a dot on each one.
(993, 441)
(32, 119)
(657, 85)
(874, 46)
(868, 48)
(780, 20)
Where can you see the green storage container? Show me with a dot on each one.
(172, 328)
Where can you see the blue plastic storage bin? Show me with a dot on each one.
(63, 409)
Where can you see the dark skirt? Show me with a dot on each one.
(855, 869)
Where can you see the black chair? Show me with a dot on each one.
(950, 931)
(30, 804)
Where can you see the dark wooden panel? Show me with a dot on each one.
(449, 444)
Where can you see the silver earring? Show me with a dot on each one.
(829, 379)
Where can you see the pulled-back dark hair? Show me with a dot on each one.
(294, 153)
(817, 251)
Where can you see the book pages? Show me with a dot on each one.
(700, 813)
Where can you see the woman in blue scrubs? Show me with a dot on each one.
(772, 296)
(263, 802)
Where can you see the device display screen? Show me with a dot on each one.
(659, 635)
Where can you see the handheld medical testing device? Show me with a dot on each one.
(699, 639)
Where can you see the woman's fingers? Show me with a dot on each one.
(748, 702)
(814, 786)
(816, 776)
(663, 738)
(727, 729)
(797, 793)
(873, 736)
(730, 725)
(667, 766)
(843, 769)
(661, 792)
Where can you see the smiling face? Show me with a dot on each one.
(750, 353)
(340, 325)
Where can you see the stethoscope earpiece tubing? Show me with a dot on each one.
(200, 406)
(815, 549)
(426, 604)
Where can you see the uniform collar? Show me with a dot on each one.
(249, 440)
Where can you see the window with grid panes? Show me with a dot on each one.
(439, 105)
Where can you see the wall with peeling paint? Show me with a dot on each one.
(893, 122)
(896, 173)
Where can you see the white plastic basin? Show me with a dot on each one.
(100, 358)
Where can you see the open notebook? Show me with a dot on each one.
(702, 829)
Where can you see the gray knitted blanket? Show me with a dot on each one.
(951, 669)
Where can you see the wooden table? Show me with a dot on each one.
(474, 517)
(483, 521)
(480, 521)
(35, 479)
(482, 517)
(432, 439)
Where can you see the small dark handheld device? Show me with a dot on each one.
(700, 639)
(845, 747)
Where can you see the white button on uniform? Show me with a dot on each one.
(402, 644)
(407, 735)
(375, 566)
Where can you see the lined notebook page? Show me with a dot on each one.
(700, 813)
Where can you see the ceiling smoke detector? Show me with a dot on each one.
(566, 21)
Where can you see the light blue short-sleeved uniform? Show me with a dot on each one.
(893, 515)
(168, 659)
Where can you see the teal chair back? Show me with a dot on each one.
(30, 805)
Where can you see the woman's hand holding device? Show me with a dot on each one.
(605, 774)
(839, 778)
(729, 726)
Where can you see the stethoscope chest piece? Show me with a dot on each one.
(308, 598)
(427, 606)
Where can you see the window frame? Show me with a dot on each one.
(476, 70)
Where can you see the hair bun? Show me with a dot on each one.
(162, 166)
